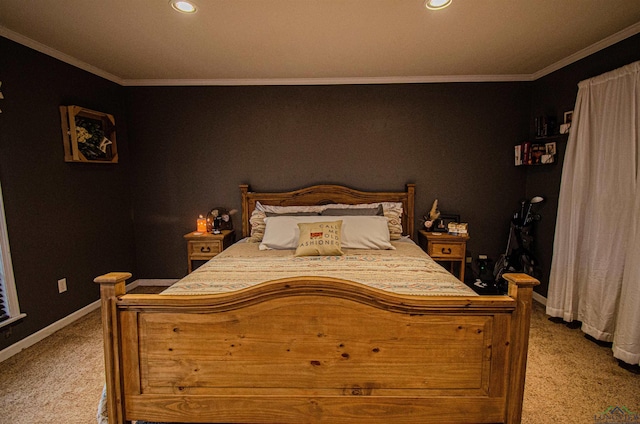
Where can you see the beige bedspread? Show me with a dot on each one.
(406, 270)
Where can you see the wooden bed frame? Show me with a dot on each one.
(315, 350)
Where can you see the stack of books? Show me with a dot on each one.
(529, 153)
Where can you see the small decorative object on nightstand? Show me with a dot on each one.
(219, 219)
(202, 247)
(201, 224)
(445, 247)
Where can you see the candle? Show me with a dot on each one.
(202, 224)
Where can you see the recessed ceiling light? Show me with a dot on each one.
(437, 4)
(183, 6)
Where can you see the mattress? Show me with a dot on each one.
(405, 270)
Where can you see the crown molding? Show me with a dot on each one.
(35, 45)
(587, 51)
(328, 81)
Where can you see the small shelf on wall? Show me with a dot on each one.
(542, 150)
(553, 137)
(535, 153)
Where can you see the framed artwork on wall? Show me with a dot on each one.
(88, 136)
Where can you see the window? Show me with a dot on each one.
(9, 308)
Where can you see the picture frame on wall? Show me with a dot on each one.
(88, 136)
(566, 126)
(568, 117)
(550, 148)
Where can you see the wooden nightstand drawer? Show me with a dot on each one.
(204, 246)
(446, 250)
(445, 247)
(204, 249)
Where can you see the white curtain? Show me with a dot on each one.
(595, 272)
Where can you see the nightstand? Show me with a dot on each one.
(445, 247)
(204, 246)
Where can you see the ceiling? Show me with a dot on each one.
(236, 42)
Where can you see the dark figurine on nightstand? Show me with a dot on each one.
(219, 219)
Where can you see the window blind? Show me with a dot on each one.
(3, 302)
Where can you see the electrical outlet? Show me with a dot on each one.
(469, 259)
(482, 257)
(62, 285)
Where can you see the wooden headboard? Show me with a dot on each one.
(327, 194)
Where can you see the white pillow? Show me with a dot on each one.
(365, 232)
(358, 232)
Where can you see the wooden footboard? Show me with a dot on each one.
(315, 350)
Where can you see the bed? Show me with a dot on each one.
(308, 348)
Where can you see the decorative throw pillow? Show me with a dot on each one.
(394, 221)
(257, 226)
(320, 239)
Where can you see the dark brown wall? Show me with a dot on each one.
(193, 146)
(553, 95)
(64, 220)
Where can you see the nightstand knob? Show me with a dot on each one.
(446, 251)
(205, 249)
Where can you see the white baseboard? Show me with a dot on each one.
(539, 298)
(29, 341)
